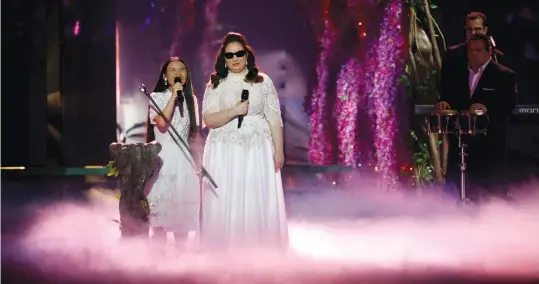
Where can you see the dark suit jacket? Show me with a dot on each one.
(456, 58)
(497, 90)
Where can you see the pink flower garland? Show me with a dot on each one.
(320, 149)
(382, 68)
(346, 109)
(389, 49)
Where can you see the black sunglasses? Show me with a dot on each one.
(239, 54)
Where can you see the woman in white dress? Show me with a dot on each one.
(247, 208)
(173, 195)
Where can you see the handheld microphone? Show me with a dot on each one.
(244, 97)
(179, 95)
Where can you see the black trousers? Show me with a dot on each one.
(486, 167)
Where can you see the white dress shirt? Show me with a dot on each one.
(474, 77)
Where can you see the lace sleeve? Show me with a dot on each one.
(210, 102)
(161, 102)
(272, 108)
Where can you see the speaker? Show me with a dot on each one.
(523, 141)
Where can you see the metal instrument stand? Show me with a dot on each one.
(464, 201)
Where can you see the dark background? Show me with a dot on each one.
(39, 57)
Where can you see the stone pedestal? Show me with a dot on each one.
(135, 164)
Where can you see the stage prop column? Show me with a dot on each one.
(135, 164)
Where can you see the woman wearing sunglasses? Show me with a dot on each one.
(247, 208)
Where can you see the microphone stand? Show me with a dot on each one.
(493, 44)
(202, 173)
(494, 56)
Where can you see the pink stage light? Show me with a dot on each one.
(76, 28)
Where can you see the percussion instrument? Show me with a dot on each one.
(473, 122)
(458, 123)
(442, 122)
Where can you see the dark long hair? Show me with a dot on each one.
(188, 93)
(221, 71)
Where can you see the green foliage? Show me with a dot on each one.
(113, 171)
(422, 160)
(419, 89)
(420, 4)
(420, 92)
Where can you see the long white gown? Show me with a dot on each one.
(173, 195)
(247, 208)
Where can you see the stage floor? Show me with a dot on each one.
(61, 231)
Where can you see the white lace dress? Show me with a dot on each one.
(173, 193)
(248, 206)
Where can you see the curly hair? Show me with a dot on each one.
(221, 71)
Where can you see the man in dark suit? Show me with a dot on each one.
(482, 85)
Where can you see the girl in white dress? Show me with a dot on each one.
(247, 208)
(173, 195)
